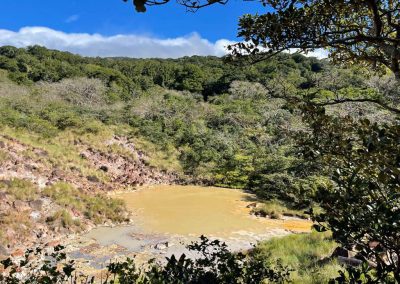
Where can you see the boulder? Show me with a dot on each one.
(18, 253)
(350, 261)
(93, 178)
(161, 246)
(53, 244)
(3, 196)
(252, 205)
(57, 173)
(35, 215)
(104, 168)
(2, 144)
(341, 252)
(42, 153)
(37, 204)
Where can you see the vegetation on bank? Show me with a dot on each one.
(307, 255)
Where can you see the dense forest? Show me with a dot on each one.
(204, 120)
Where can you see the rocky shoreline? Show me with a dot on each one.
(25, 220)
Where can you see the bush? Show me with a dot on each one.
(63, 217)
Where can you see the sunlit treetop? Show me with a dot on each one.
(354, 31)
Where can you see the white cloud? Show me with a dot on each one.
(72, 18)
(130, 45)
(318, 53)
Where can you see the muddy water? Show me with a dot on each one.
(167, 218)
(194, 210)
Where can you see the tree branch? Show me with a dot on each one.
(377, 102)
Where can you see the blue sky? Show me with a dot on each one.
(114, 28)
(110, 17)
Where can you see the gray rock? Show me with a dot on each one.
(161, 246)
(3, 196)
(42, 153)
(93, 178)
(104, 168)
(35, 215)
(36, 204)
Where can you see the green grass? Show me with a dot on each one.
(97, 208)
(20, 189)
(163, 159)
(303, 253)
(276, 209)
(3, 156)
(64, 218)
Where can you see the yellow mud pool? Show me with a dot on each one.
(195, 210)
(167, 218)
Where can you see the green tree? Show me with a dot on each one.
(366, 31)
(362, 204)
(191, 78)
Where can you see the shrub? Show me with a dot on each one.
(63, 217)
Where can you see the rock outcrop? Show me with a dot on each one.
(25, 222)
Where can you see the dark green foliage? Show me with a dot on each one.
(361, 206)
(195, 74)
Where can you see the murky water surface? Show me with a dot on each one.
(166, 218)
(191, 209)
(195, 210)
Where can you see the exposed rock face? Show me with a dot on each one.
(110, 170)
(127, 170)
(131, 169)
